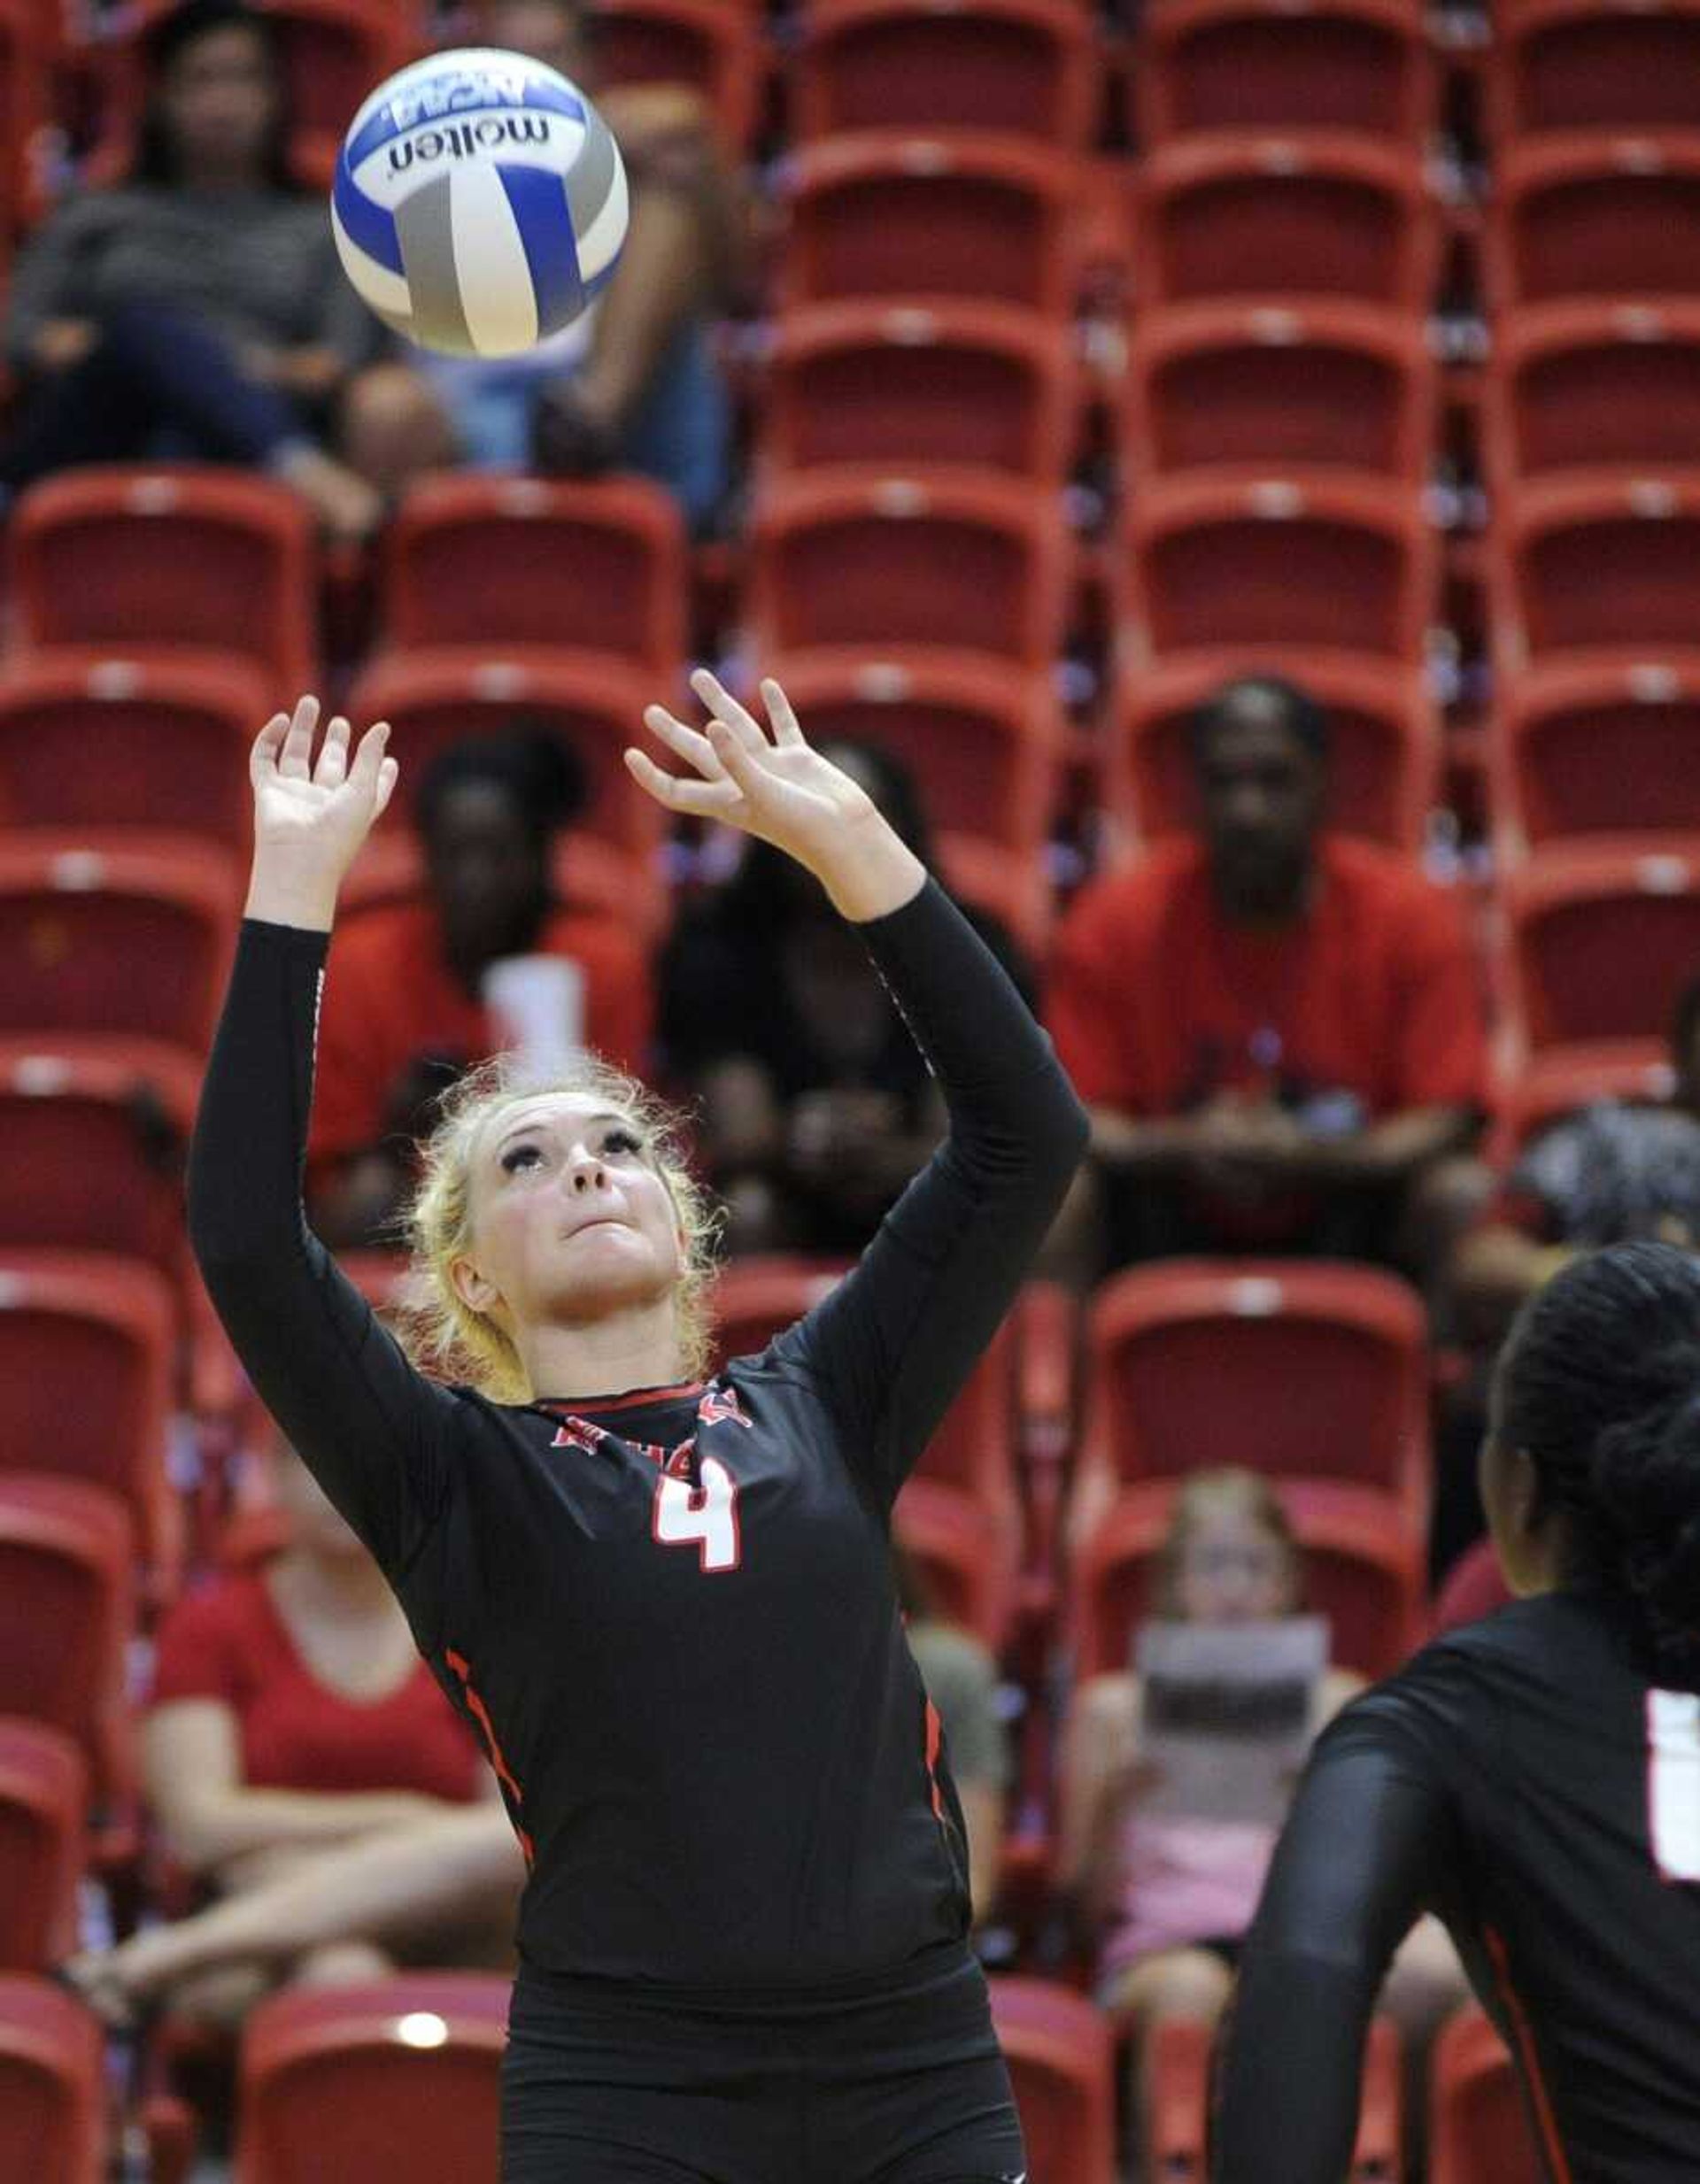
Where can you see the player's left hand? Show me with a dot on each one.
(771, 785)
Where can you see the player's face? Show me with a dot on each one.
(571, 1220)
(219, 101)
(1230, 1569)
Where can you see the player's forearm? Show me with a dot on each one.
(1291, 2061)
(868, 870)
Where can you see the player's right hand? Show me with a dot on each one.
(313, 813)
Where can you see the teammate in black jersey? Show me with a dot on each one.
(665, 1603)
(1534, 1778)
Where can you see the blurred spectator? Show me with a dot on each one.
(816, 1107)
(1277, 1030)
(292, 1715)
(404, 1007)
(197, 309)
(632, 384)
(1164, 1904)
(961, 1680)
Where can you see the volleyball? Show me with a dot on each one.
(479, 204)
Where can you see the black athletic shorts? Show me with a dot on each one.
(897, 2082)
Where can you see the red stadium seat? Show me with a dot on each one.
(1301, 559)
(25, 44)
(90, 740)
(496, 562)
(101, 934)
(1272, 65)
(1597, 747)
(168, 558)
(1571, 386)
(65, 1613)
(52, 2085)
(892, 384)
(1580, 215)
(1268, 384)
(1061, 2053)
(1019, 67)
(892, 215)
(1594, 64)
(86, 1344)
(1303, 1369)
(967, 1558)
(96, 1130)
(389, 2080)
(1479, 2133)
(436, 698)
(716, 49)
(1384, 743)
(1285, 220)
(1363, 1563)
(44, 1801)
(1601, 941)
(946, 558)
(1593, 560)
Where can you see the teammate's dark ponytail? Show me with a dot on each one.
(1600, 1384)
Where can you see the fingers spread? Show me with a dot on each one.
(726, 708)
(704, 798)
(688, 744)
(297, 744)
(780, 716)
(333, 754)
(262, 760)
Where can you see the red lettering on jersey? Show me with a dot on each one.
(577, 1434)
(678, 1464)
(718, 1404)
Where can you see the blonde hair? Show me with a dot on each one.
(447, 1337)
(1232, 1490)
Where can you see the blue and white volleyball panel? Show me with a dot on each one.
(480, 202)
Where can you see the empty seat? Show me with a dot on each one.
(1597, 746)
(1571, 386)
(66, 1615)
(1600, 942)
(1301, 559)
(1384, 743)
(168, 558)
(85, 1345)
(388, 2081)
(96, 1133)
(52, 2085)
(1596, 559)
(497, 562)
(1020, 67)
(44, 1800)
(966, 1554)
(1285, 219)
(1267, 384)
(433, 698)
(890, 384)
(1364, 1570)
(717, 49)
(1594, 64)
(946, 557)
(98, 933)
(92, 740)
(1268, 64)
(1579, 215)
(1061, 2053)
(1310, 1371)
(887, 214)
(1479, 2131)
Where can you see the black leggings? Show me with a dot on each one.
(604, 2085)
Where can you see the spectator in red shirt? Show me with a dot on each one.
(404, 1009)
(292, 1717)
(1277, 1031)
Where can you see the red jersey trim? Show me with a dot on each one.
(933, 1736)
(504, 1774)
(593, 1405)
(1528, 2058)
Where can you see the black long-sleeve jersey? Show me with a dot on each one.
(670, 1613)
(1522, 1779)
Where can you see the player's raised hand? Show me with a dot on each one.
(313, 810)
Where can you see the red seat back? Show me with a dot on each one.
(1061, 2053)
(52, 2085)
(1479, 2133)
(1588, 64)
(1595, 748)
(44, 1798)
(1583, 215)
(1601, 383)
(1602, 941)
(1268, 65)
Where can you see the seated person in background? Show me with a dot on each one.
(961, 1680)
(404, 1011)
(197, 309)
(1163, 1903)
(815, 1105)
(1279, 1030)
(291, 1716)
(632, 384)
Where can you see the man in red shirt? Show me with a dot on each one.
(404, 1012)
(1277, 1029)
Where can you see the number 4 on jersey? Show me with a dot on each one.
(704, 1517)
